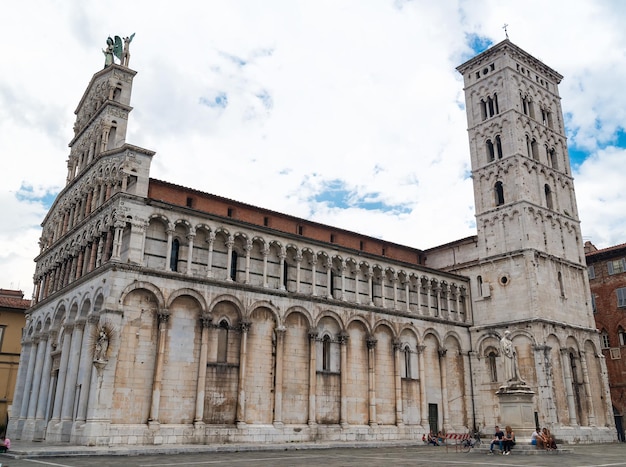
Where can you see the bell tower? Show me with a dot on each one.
(526, 214)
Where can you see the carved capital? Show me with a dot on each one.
(442, 351)
(371, 342)
(206, 320)
(343, 337)
(245, 326)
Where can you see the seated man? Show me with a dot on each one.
(536, 439)
(497, 438)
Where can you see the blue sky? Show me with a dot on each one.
(346, 113)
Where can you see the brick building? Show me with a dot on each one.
(607, 280)
(12, 321)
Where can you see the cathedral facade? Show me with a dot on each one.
(166, 315)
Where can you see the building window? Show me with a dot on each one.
(326, 350)
(604, 340)
(1, 336)
(407, 362)
(548, 193)
(534, 147)
(285, 274)
(300, 230)
(479, 281)
(189, 202)
(617, 266)
(561, 287)
(361, 245)
(593, 303)
(552, 159)
(492, 365)
(621, 335)
(230, 212)
(499, 193)
(621, 297)
(591, 272)
(332, 238)
(266, 221)
(233, 266)
(499, 146)
(490, 151)
(222, 341)
(174, 255)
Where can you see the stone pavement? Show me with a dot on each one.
(355, 454)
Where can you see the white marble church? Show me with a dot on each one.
(163, 314)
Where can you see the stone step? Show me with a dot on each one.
(520, 450)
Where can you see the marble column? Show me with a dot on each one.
(397, 379)
(343, 342)
(591, 414)
(243, 355)
(278, 389)
(443, 367)
(205, 323)
(62, 375)
(422, 386)
(163, 318)
(312, 376)
(569, 390)
(371, 380)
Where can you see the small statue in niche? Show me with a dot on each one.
(101, 339)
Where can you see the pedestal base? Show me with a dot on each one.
(516, 409)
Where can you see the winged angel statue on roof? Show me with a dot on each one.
(115, 48)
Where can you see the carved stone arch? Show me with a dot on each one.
(329, 314)
(73, 310)
(387, 324)
(432, 332)
(85, 306)
(453, 334)
(59, 315)
(300, 310)
(378, 271)
(267, 305)
(407, 330)
(227, 298)
(47, 322)
(183, 222)
(188, 292)
(156, 292)
(572, 344)
(323, 258)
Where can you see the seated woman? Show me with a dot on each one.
(549, 441)
(509, 440)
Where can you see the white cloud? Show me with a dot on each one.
(309, 92)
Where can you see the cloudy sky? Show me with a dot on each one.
(345, 112)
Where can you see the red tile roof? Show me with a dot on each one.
(13, 299)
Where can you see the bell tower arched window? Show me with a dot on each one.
(499, 193)
(548, 193)
(490, 151)
(499, 146)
